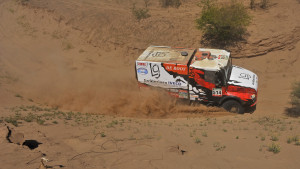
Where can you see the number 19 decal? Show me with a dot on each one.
(155, 70)
(217, 92)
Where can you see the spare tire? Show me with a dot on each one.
(233, 107)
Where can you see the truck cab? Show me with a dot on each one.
(202, 75)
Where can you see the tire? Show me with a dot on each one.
(233, 107)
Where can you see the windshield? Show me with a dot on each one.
(227, 70)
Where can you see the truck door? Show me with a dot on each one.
(179, 86)
(202, 85)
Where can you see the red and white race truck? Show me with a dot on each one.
(203, 75)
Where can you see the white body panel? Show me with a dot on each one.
(153, 74)
(220, 59)
(243, 77)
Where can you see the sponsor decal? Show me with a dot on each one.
(183, 95)
(174, 83)
(144, 64)
(245, 76)
(155, 81)
(155, 70)
(159, 54)
(142, 71)
(175, 69)
(217, 92)
(253, 80)
(180, 69)
(163, 82)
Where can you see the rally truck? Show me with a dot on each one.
(201, 75)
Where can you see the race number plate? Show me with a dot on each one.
(217, 92)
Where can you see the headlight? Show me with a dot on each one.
(253, 96)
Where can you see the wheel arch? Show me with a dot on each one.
(225, 99)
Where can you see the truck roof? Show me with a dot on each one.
(213, 60)
(167, 54)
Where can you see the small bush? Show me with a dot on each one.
(170, 3)
(103, 134)
(274, 138)
(18, 95)
(67, 46)
(40, 121)
(140, 13)
(12, 120)
(218, 146)
(275, 148)
(223, 24)
(197, 140)
(294, 111)
(294, 139)
(29, 117)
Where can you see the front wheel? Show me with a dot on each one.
(233, 107)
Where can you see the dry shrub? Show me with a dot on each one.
(140, 13)
(170, 3)
(223, 24)
(294, 110)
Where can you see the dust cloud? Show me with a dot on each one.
(108, 88)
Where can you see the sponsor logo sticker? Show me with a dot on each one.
(245, 76)
(180, 69)
(183, 94)
(159, 54)
(144, 64)
(174, 68)
(174, 83)
(253, 80)
(142, 71)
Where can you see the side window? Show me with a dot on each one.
(222, 76)
(210, 76)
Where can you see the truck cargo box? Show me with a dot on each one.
(165, 67)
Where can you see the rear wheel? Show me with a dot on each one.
(233, 107)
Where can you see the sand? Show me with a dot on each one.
(58, 58)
